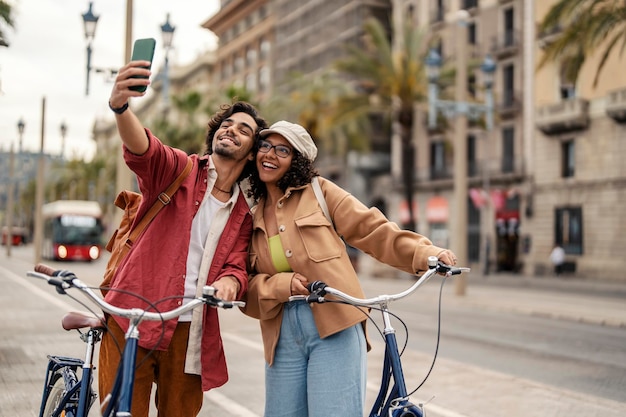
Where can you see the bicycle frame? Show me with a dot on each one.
(70, 403)
(394, 402)
(120, 398)
(122, 393)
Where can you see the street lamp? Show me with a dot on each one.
(456, 108)
(123, 174)
(461, 110)
(167, 32)
(21, 125)
(90, 21)
(63, 129)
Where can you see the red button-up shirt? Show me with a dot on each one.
(155, 267)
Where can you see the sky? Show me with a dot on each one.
(47, 57)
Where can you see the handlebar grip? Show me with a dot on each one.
(316, 287)
(47, 270)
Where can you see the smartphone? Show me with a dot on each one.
(143, 50)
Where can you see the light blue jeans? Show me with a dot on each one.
(313, 377)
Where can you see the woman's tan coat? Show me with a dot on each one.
(314, 249)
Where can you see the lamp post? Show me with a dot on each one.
(63, 129)
(10, 203)
(123, 174)
(167, 32)
(90, 21)
(21, 125)
(461, 110)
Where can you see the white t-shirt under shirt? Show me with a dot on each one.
(200, 227)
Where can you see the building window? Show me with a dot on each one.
(238, 65)
(251, 82)
(508, 79)
(264, 78)
(265, 49)
(509, 27)
(568, 159)
(471, 33)
(437, 160)
(473, 232)
(439, 12)
(567, 88)
(471, 86)
(508, 149)
(568, 229)
(472, 163)
(251, 56)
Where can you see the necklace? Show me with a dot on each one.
(219, 189)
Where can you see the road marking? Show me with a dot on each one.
(36, 291)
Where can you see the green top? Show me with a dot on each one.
(278, 254)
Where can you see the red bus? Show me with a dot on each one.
(72, 230)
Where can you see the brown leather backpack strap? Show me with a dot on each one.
(163, 199)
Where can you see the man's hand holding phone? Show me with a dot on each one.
(133, 74)
(133, 79)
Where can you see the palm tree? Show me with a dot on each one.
(187, 133)
(587, 26)
(312, 102)
(390, 80)
(6, 16)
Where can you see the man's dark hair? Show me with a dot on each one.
(227, 110)
(299, 173)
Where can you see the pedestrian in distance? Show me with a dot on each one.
(200, 238)
(557, 257)
(315, 354)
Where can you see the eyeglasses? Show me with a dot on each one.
(280, 150)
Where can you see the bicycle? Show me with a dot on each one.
(392, 400)
(65, 394)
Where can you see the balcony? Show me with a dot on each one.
(506, 44)
(567, 115)
(510, 106)
(616, 105)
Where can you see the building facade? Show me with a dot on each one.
(548, 171)
(578, 186)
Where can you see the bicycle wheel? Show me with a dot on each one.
(59, 387)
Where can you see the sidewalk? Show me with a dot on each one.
(566, 297)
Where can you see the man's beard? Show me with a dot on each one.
(225, 152)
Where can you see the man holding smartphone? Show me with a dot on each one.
(200, 238)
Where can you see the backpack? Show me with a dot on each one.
(126, 235)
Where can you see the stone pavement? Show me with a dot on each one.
(29, 330)
(567, 298)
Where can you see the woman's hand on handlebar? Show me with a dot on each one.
(447, 257)
(298, 285)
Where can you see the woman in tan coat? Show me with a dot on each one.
(315, 354)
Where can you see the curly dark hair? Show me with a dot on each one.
(299, 173)
(227, 110)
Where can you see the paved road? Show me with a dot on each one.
(30, 329)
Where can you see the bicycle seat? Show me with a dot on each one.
(79, 320)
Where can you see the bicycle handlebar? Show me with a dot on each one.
(319, 289)
(63, 280)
